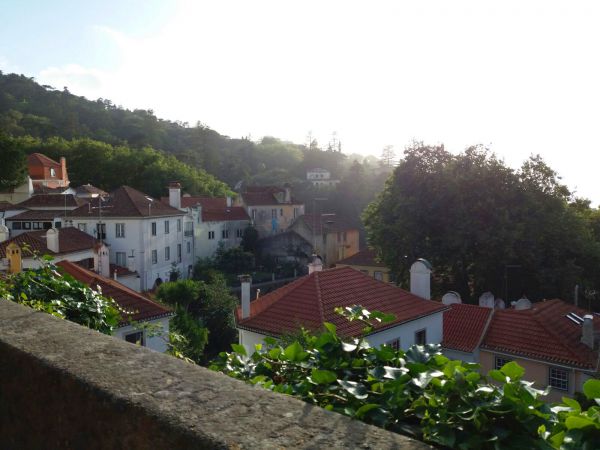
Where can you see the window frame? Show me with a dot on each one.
(141, 342)
(211, 235)
(560, 383)
(153, 228)
(394, 343)
(418, 334)
(121, 256)
(168, 253)
(167, 227)
(179, 225)
(500, 361)
(120, 230)
(154, 256)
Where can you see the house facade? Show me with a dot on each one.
(332, 237)
(46, 172)
(320, 178)
(144, 235)
(366, 261)
(271, 209)
(311, 300)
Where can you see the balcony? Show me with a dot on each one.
(64, 386)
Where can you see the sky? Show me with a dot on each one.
(518, 77)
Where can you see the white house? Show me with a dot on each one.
(145, 235)
(320, 178)
(311, 300)
(140, 309)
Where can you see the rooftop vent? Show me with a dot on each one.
(578, 320)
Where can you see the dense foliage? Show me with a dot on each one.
(13, 167)
(206, 320)
(418, 392)
(45, 289)
(480, 223)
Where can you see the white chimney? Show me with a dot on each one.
(316, 265)
(587, 331)
(229, 201)
(115, 274)
(52, 240)
(288, 194)
(420, 278)
(4, 233)
(131, 262)
(101, 260)
(246, 281)
(175, 194)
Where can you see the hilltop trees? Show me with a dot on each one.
(13, 164)
(472, 216)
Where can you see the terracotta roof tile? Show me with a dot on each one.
(89, 189)
(70, 240)
(205, 202)
(218, 215)
(52, 201)
(331, 223)
(543, 333)
(264, 195)
(366, 257)
(464, 326)
(41, 214)
(126, 202)
(311, 300)
(6, 206)
(142, 307)
(37, 159)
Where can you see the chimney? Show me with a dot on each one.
(15, 261)
(52, 240)
(420, 278)
(131, 262)
(175, 194)
(229, 201)
(4, 233)
(587, 331)
(288, 194)
(101, 260)
(115, 274)
(316, 265)
(246, 281)
(63, 169)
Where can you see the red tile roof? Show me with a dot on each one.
(265, 195)
(52, 201)
(41, 214)
(126, 202)
(37, 159)
(366, 257)
(218, 215)
(41, 189)
(70, 240)
(543, 333)
(310, 301)
(464, 326)
(142, 307)
(5, 206)
(205, 202)
(89, 189)
(330, 223)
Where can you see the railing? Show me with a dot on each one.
(64, 386)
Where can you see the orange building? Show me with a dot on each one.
(45, 172)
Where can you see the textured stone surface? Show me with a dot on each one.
(64, 386)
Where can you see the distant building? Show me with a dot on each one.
(140, 308)
(320, 178)
(271, 209)
(366, 261)
(284, 247)
(333, 238)
(555, 342)
(310, 301)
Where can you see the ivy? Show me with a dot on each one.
(419, 392)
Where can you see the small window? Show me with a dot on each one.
(281, 212)
(179, 225)
(178, 252)
(189, 247)
(47, 225)
(153, 226)
(166, 227)
(225, 234)
(167, 253)
(295, 212)
(101, 231)
(82, 227)
(154, 257)
(121, 259)
(378, 275)
(394, 343)
(36, 225)
(273, 214)
(59, 225)
(500, 362)
(239, 233)
(211, 235)
(27, 225)
(253, 214)
(120, 230)
(136, 338)
(559, 378)
(16, 225)
(421, 337)
(52, 172)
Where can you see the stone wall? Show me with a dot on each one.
(64, 386)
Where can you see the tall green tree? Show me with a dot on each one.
(473, 218)
(13, 163)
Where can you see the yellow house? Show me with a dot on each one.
(553, 341)
(366, 262)
(332, 237)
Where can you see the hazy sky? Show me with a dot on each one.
(519, 77)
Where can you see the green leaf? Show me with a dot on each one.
(239, 349)
(347, 347)
(571, 403)
(323, 376)
(358, 390)
(591, 389)
(360, 412)
(294, 352)
(497, 375)
(578, 422)
(394, 372)
(330, 327)
(512, 370)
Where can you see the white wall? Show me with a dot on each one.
(462, 356)
(157, 343)
(249, 339)
(206, 248)
(406, 332)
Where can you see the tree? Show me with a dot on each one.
(472, 216)
(388, 156)
(249, 239)
(13, 163)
